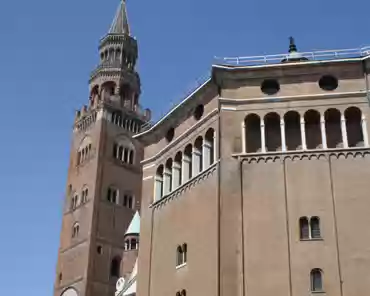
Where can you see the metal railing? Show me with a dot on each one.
(277, 58)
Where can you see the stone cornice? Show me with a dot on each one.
(275, 99)
(279, 156)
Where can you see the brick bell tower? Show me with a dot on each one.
(104, 178)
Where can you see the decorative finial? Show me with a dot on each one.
(292, 46)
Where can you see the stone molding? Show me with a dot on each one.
(326, 154)
(178, 192)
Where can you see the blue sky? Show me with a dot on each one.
(47, 50)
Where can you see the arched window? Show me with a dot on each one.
(316, 280)
(75, 230)
(183, 293)
(208, 148)
(167, 181)
(313, 129)
(304, 228)
(293, 137)
(252, 133)
(115, 267)
(181, 255)
(108, 89)
(198, 156)
(177, 170)
(112, 195)
(124, 151)
(159, 183)
(315, 227)
(74, 202)
(272, 132)
(187, 163)
(353, 117)
(84, 195)
(128, 201)
(333, 128)
(84, 151)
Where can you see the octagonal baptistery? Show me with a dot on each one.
(257, 182)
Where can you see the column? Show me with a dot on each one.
(197, 161)
(167, 181)
(176, 175)
(323, 132)
(263, 140)
(186, 168)
(282, 132)
(344, 131)
(364, 130)
(207, 154)
(303, 134)
(244, 146)
(158, 190)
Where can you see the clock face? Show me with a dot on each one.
(70, 292)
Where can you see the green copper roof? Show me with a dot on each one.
(120, 22)
(134, 227)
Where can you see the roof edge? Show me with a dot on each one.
(169, 113)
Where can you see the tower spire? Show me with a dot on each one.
(120, 22)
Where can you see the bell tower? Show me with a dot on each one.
(104, 177)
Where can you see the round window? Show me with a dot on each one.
(198, 112)
(170, 134)
(328, 82)
(270, 86)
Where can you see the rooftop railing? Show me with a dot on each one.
(322, 55)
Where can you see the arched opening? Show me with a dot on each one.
(108, 89)
(125, 155)
(168, 176)
(272, 132)
(177, 170)
(75, 230)
(253, 133)
(304, 228)
(115, 267)
(120, 153)
(333, 129)
(131, 157)
(94, 95)
(313, 129)
(187, 163)
(198, 156)
(112, 195)
(159, 183)
(293, 136)
(315, 227)
(209, 148)
(316, 280)
(353, 117)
